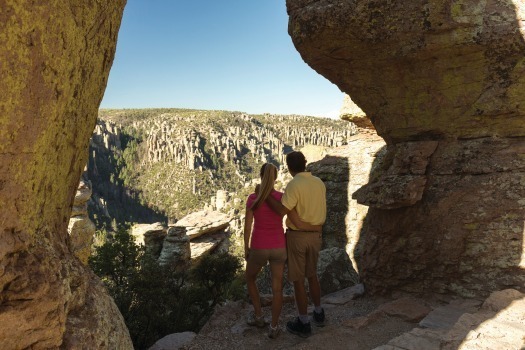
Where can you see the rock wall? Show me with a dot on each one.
(344, 170)
(443, 83)
(55, 58)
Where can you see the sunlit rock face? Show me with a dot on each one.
(421, 69)
(55, 58)
(443, 83)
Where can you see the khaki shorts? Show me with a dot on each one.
(303, 253)
(261, 256)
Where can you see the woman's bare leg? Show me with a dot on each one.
(252, 270)
(277, 291)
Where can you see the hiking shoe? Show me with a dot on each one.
(319, 318)
(298, 328)
(273, 332)
(256, 321)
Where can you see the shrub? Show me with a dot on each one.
(157, 300)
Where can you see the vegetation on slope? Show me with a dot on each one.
(173, 161)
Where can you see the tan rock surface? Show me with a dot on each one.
(205, 245)
(204, 222)
(351, 112)
(81, 231)
(54, 63)
(421, 69)
(344, 170)
(80, 228)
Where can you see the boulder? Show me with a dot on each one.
(203, 222)
(151, 236)
(420, 70)
(174, 341)
(335, 271)
(81, 232)
(83, 193)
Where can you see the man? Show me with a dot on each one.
(307, 194)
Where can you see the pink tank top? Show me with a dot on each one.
(268, 231)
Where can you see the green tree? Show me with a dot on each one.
(157, 300)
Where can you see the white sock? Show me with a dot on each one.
(304, 319)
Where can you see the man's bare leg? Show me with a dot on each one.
(301, 298)
(315, 290)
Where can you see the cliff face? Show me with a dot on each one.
(55, 59)
(443, 83)
(112, 202)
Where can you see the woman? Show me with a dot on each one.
(267, 244)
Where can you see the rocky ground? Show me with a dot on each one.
(395, 323)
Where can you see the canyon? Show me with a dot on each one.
(441, 82)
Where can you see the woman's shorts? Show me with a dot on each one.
(261, 256)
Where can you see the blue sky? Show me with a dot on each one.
(227, 55)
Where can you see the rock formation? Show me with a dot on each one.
(151, 236)
(443, 83)
(177, 138)
(203, 222)
(55, 60)
(176, 248)
(190, 238)
(81, 229)
(352, 113)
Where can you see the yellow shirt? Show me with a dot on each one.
(307, 194)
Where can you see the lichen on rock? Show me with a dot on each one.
(55, 60)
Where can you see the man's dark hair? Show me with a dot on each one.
(296, 162)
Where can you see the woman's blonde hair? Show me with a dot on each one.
(268, 177)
